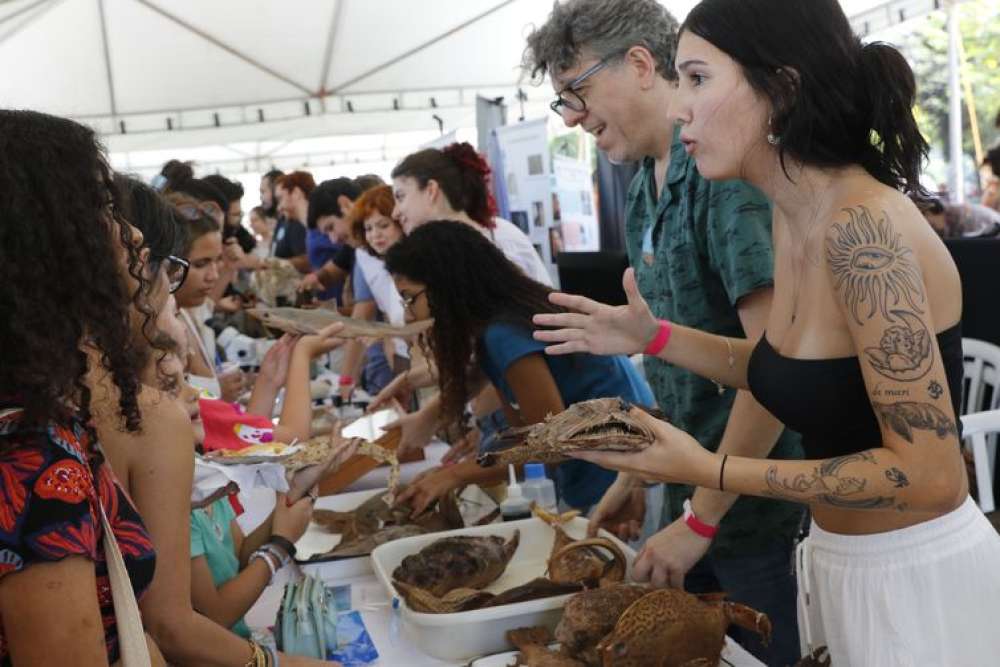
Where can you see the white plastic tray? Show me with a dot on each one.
(316, 539)
(467, 635)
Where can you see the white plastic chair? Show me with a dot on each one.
(982, 393)
(975, 429)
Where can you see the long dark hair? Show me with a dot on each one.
(460, 172)
(470, 285)
(61, 239)
(158, 221)
(835, 101)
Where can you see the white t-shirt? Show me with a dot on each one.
(516, 245)
(384, 293)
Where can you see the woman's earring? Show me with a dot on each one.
(772, 138)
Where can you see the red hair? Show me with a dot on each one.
(374, 200)
(302, 180)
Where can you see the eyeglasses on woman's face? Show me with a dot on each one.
(176, 268)
(408, 301)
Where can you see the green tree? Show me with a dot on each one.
(926, 48)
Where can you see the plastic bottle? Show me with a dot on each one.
(538, 487)
(515, 506)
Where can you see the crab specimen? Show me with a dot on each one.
(580, 561)
(461, 561)
(598, 424)
(310, 321)
(671, 628)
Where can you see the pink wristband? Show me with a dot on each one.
(697, 526)
(660, 341)
(346, 381)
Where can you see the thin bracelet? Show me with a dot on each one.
(280, 556)
(732, 363)
(267, 557)
(722, 472)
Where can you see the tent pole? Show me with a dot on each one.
(956, 185)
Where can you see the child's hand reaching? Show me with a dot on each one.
(274, 366)
(291, 521)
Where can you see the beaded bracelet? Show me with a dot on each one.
(282, 558)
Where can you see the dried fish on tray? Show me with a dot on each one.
(376, 522)
(310, 321)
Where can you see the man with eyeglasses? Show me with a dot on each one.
(703, 258)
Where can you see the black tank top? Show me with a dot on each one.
(826, 400)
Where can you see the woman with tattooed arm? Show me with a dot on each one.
(862, 352)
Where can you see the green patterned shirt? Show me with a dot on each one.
(697, 249)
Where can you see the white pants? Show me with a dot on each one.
(919, 596)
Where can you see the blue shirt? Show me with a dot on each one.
(579, 377)
(359, 284)
(320, 250)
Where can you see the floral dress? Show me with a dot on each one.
(49, 508)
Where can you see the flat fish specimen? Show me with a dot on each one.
(602, 424)
(310, 321)
(467, 599)
(369, 524)
(462, 561)
(534, 651)
(366, 544)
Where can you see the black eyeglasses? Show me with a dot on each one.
(408, 301)
(177, 270)
(569, 98)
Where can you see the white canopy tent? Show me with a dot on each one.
(239, 85)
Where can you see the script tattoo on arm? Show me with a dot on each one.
(906, 416)
(829, 484)
(872, 269)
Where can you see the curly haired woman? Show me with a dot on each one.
(74, 294)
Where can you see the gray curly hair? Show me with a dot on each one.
(601, 28)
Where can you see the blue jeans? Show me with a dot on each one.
(765, 582)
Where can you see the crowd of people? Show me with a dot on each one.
(799, 319)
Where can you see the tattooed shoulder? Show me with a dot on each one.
(873, 271)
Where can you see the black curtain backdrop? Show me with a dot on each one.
(612, 188)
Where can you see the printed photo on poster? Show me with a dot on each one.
(520, 218)
(556, 211)
(538, 213)
(536, 166)
(555, 241)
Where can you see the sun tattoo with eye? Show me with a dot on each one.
(873, 270)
